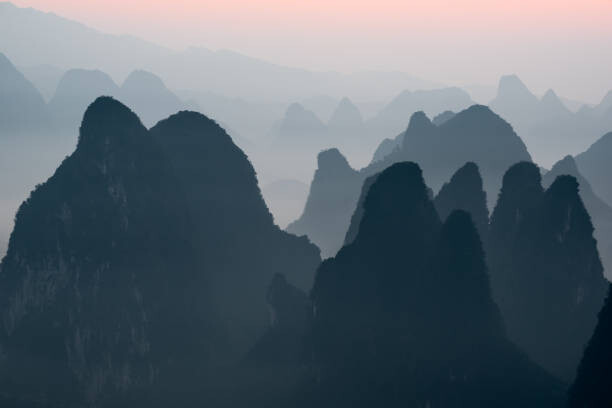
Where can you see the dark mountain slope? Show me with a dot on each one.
(404, 315)
(600, 212)
(474, 135)
(545, 268)
(89, 264)
(136, 274)
(464, 192)
(331, 201)
(240, 247)
(593, 384)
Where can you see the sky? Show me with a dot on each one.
(563, 45)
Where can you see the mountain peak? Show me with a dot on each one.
(511, 83)
(419, 121)
(332, 160)
(141, 78)
(512, 90)
(443, 117)
(346, 114)
(299, 119)
(521, 175)
(397, 190)
(564, 185)
(567, 165)
(465, 192)
(106, 119)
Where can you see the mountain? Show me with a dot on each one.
(464, 192)
(592, 387)
(31, 37)
(546, 273)
(298, 121)
(384, 149)
(22, 107)
(331, 201)
(144, 259)
(149, 97)
(392, 118)
(346, 117)
(231, 218)
(547, 126)
(600, 212)
(512, 95)
(473, 135)
(76, 90)
(44, 77)
(404, 314)
(443, 117)
(594, 165)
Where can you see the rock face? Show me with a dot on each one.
(117, 259)
(594, 164)
(331, 201)
(546, 274)
(22, 107)
(474, 135)
(593, 384)
(404, 314)
(464, 192)
(600, 212)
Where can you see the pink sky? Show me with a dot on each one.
(537, 36)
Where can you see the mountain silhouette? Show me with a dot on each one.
(346, 116)
(592, 387)
(474, 135)
(144, 260)
(298, 120)
(546, 273)
(231, 217)
(443, 117)
(600, 212)
(392, 119)
(405, 311)
(22, 107)
(333, 193)
(594, 165)
(464, 192)
(385, 148)
(149, 97)
(546, 125)
(75, 91)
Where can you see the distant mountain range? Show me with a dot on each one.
(550, 130)
(31, 38)
(474, 135)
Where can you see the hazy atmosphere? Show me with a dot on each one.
(549, 44)
(313, 204)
